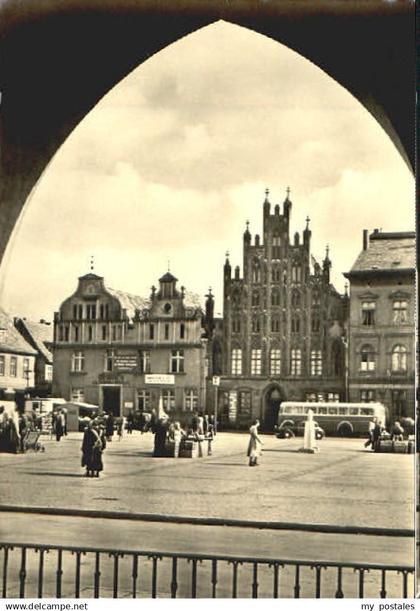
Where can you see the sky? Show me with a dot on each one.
(172, 162)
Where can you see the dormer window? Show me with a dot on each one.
(167, 308)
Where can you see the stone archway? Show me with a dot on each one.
(51, 75)
(271, 401)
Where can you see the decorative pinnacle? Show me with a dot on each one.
(307, 222)
(227, 254)
(267, 193)
(169, 265)
(210, 293)
(288, 192)
(327, 251)
(247, 225)
(92, 263)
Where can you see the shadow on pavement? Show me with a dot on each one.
(53, 474)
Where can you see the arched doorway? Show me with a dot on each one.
(272, 399)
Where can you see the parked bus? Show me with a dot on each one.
(345, 419)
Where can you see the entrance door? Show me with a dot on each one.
(272, 406)
(111, 400)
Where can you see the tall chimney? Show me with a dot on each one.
(365, 239)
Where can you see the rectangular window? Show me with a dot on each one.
(400, 312)
(190, 399)
(275, 325)
(168, 398)
(104, 332)
(90, 333)
(2, 365)
(144, 361)
(78, 361)
(25, 364)
(75, 310)
(316, 362)
(332, 411)
(399, 404)
(116, 333)
(101, 311)
(368, 313)
(256, 362)
(295, 362)
(151, 331)
(78, 395)
(244, 404)
(166, 329)
(353, 411)
(236, 325)
(367, 359)
(311, 397)
(236, 362)
(182, 331)
(13, 367)
(255, 325)
(276, 249)
(333, 397)
(275, 361)
(177, 361)
(76, 332)
(144, 400)
(48, 373)
(91, 311)
(367, 396)
(109, 360)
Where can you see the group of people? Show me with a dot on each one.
(202, 428)
(398, 432)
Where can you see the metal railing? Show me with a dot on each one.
(53, 571)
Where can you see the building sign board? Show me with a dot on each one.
(159, 378)
(110, 377)
(125, 362)
(233, 406)
(216, 380)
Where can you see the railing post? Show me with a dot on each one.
(339, 593)
(97, 575)
(276, 579)
(22, 574)
(174, 582)
(5, 566)
(234, 564)
(362, 581)
(318, 570)
(297, 582)
(405, 583)
(194, 576)
(213, 578)
(40, 570)
(117, 556)
(59, 573)
(154, 558)
(254, 580)
(78, 554)
(135, 574)
(383, 586)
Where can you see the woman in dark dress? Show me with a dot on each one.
(93, 445)
(109, 424)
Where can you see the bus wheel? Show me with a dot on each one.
(288, 433)
(345, 430)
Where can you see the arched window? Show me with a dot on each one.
(255, 298)
(399, 358)
(275, 324)
(276, 250)
(316, 362)
(316, 323)
(275, 361)
(236, 325)
(236, 363)
(337, 359)
(295, 324)
(256, 272)
(295, 299)
(296, 273)
(295, 362)
(255, 324)
(367, 358)
(315, 298)
(275, 297)
(275, 274)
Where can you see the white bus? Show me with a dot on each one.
(345, 419)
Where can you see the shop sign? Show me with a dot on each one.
(159, 378)
(110, 377)
(125, 362)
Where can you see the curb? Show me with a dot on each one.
(199, 521)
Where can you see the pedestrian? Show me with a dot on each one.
(376, 434)
(161, 430)
(120, 427)
(177, 435)
(109, 426)
(212, 422)
(397, 431)
(59, 425)
(194, 422)
(130, 422)
(64, 413)
(93, 445)
(209, 437)
(206, 424)
(23, 429)
(254, 445)
(200, 429)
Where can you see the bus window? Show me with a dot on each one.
(305, 409)
(322, 410)
(332, 411)
(343, 411)
(354, 411)
(287, 409)
(298, 409)
(366, 411)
